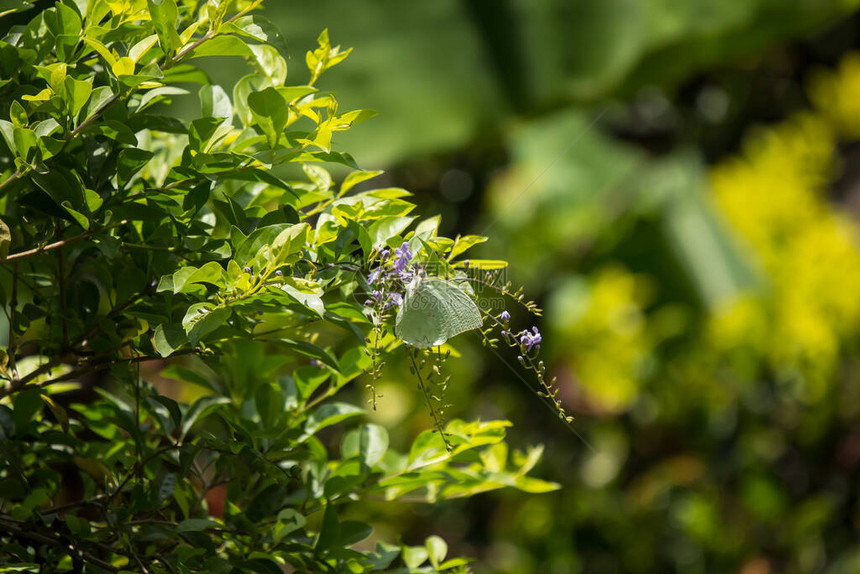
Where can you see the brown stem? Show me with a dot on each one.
(13, 304)
(60, 244)
(191, 47)
(12, 178)
(96, 115)
(89, 367)
(61, 272)
(35, 536)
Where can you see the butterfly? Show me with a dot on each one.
(433, 311)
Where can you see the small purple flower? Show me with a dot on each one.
(404, 256)
(385, 253)
(403, 251)
(247, 269)
(376, 293)
(396, 299)
(505, 316)
(279, 273)
(530, 340)
(374, 275)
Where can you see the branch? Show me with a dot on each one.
(13, 304)
(35, 536)
(61, 277)
(11, 179)
(62, 243)
(89, 367)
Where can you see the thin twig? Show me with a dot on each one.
(61, 272)
(57, 361)
(437, 420)
(13, 304)
(93, 366)
(61, 243)
(21, 533)
(14, 177)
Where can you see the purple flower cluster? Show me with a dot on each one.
(387, 273)
(526, 340)
(388, 299)
(396, 269)
(402, 258)
(530, 339)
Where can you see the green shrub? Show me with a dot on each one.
(218, 256)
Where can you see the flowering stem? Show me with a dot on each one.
(437, 421)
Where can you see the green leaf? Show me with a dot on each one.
(11, 6)
(115, 130)
(311, 350)
(310, 300)
(185, 280)
(159, 95)
(329, 534)
(353, 531)
(203, 133)
(356, 177)
(130, 161)
(215, 103)
(329, 414)
(290, 520)
(269, 110)
(18, 115)
(199, 410)
(256, 241)
(203, 318)
(93, 200)
(58, 412)
(195, 525)
(414, 556)
(166, 339)
(77, 94)
(99, 97)
(437, 549)
(266, 503)
(180, 373)
(373, 443)
(142, 47)
(381, 230)
(462, 243)
(165, 18)
(79, 217)
(24, 141)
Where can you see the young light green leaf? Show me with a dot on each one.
(437, 549)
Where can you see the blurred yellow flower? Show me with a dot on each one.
(606, 338)
(774, 196)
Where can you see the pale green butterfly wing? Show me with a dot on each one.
(433, 311)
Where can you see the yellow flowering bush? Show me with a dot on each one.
(612, 324)
(775, 197)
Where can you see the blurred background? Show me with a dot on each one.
(677, 183)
